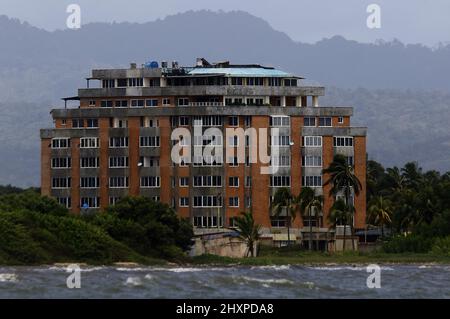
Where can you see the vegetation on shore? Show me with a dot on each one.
(37, 230)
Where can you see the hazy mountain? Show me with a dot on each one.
(403, 103)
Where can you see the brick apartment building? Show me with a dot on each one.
(117, 141)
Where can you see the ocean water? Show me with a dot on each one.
(288, 281)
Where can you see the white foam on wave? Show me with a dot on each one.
(266, 281)
(148, 277)
(133, 281)
(356, 268)
(274, 267)
(132, 269)
(185, 269)
(8, 278)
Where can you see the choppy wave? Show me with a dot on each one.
(8, 278)
(281, 267)
(265, 281)
(133, 281)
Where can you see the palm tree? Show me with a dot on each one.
(396, 179)
(307, 202)
(380, 212)
(283, 199)
(342, 214)
(342, 177)
(248, 230)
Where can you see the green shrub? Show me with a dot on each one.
(441, 246)
(411, 244)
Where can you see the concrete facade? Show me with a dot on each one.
(107, 129)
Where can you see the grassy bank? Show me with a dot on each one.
(290, 256)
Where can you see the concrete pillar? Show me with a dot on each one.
(315, 101)
(298, 101)
(283, 101)
(267, 100)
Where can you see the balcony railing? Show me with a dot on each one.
(205, 104)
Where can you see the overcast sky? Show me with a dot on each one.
(410, 21)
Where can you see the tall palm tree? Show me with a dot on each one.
(380, 212)
(342, 214)
(343, 178)
(308, 202)
(283, 200)
(396, 179)
(248, 230)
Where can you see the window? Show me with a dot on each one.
(77, 123)
(116, 142)
(342, 141)
(279, 121)
(135, 82)
(149, 161)
(312, 161)
(156, 198)
(207, 201)
(233, 181)
(152, 102)
(281, 161)
(92, 123)
(166, 101)
(207, 120)
(137, 103)
(118, 161)
(184, 201)
(92, 103)
(233, 140)
(183, 120)
(122, 82)
(108, 83)
(149, 181)
(118, 123)
(255, 81)
(312, 141)
(89, 142)
(89, 162)
(274, 82)
(236, 81)
(309, 121)
(149, 122)
(121, 103)
(208, 181)
(89, 182)
(106, 103)
(183, 101)
(248, 201)
(248, 181)
(248, 121)
(278, 221)
(233, 161)
(290, 82)
(61, 182)
(113, 200)
(149, 141)
(340, 120)
(312, 181)
(64, 201)
(118, 182)
(325, 121)
(61, 162)
(89, 202)
(233, 201)
(350, 160)
(184, 181)
(280, 140)
(280, 181)
(61, 142)
(233, 121)
(63, 122)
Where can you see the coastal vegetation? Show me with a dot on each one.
(410, 208)
(37, 230)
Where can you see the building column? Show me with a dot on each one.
(298, 101)
(283, 101)
(315, 101)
